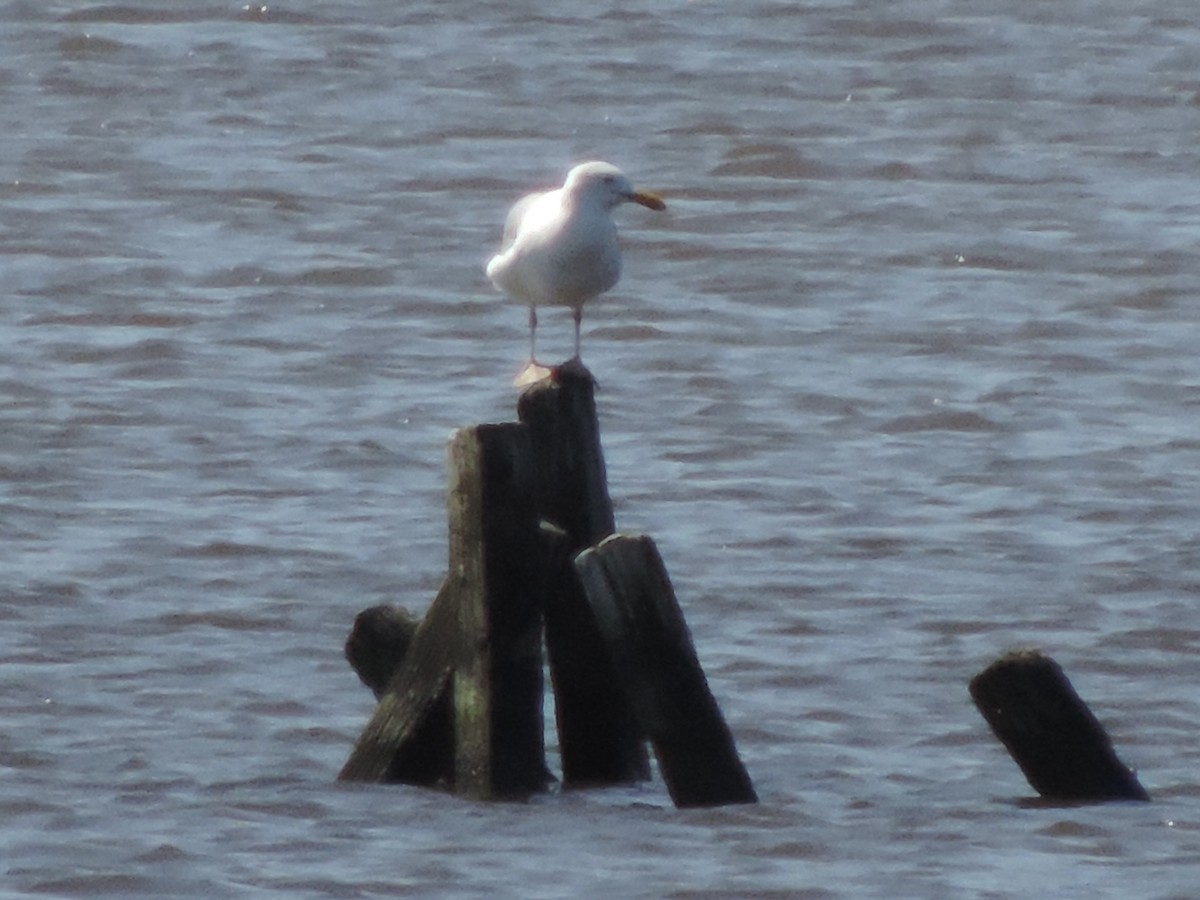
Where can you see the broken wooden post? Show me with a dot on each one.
(598, 736)
(378, 642)
(1049, 731)
(648, 639)
(482, 634)
(375, 648)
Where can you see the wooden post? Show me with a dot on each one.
(375, 648)
(481, 638)
(572, 485)
(378, 643)
(1049, 731)
(411, 693)
(598, 735)
(648, 639)
(495, 557)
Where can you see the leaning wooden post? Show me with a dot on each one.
(1049, 731)
(376, 648)
(413, 691)
(599, 738)
(495, 557)
(656, 663)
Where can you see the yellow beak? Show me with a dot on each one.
(648, 200)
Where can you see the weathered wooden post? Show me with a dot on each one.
(482, 634)
(1049, 731)
(375, 648)
(644, 629)
(572, 484)
(496, 557)
(412, 692)
(599, 738)
(378, 642)
(460, 694)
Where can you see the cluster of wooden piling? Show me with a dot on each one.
(533, 559)
(534, 563)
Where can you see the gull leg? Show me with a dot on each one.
(575, 365)
(578, 313)
(533, 371)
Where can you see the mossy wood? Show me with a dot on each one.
(460, 694)
(496, 559)
(481, 638)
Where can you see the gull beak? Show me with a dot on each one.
(648, 200)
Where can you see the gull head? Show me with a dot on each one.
(605, 185)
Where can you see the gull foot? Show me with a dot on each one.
(531, 374)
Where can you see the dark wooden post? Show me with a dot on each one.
(496, 556)
(1049, 731)
(635, 606)
(481, 638)
(375, 648)
(572, 488)
(378, 643)
(412, 692)
(599, 739)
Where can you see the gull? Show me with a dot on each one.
(560, 247)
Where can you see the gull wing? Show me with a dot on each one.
(512, 225)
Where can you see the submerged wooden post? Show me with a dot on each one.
(1049, 731)
(482, 635)
(635, 606)
(599, 739)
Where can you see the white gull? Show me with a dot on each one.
(560, 247)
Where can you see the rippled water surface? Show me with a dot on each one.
(905, 376)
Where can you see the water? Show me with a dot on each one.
(906, 376)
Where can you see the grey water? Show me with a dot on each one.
(905, 376)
